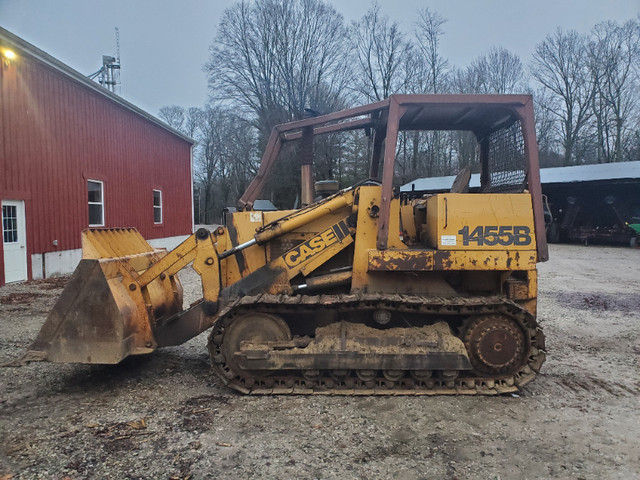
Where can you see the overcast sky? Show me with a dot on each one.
(163, 44)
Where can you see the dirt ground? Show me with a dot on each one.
(167, 416)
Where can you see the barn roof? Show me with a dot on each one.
(579, 173)
(24, 48)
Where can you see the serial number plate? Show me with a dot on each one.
(493, 235)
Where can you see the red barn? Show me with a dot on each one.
(72, 156)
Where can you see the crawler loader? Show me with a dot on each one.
(364, 290)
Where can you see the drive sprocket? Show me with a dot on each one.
(496, 344)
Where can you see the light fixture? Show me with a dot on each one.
(7, 56)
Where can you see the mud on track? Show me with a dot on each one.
(167, 416)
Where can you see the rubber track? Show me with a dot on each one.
(294, 383)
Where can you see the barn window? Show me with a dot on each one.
(96, 203)
(157, 206)
(10, 224)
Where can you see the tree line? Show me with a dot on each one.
(274, 61)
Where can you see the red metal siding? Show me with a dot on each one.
(56, 133)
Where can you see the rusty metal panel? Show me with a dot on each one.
(344, 345)
(533, 174)
(391, 138)
(460, 221)
(432, 260)
(369, 201)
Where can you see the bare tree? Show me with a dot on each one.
(427, 37)
(430, 76)
(224, 155)
(192, 121)
(560, 65)
(226, 159)
(545, 104)
(173, 115)
(499, 71)
(380, 50)
(274, 58)
(613, 53)
(465, 80)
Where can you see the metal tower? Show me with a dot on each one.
(109, 74)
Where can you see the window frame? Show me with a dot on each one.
(101, 203)
(11, 224)
(159, 207)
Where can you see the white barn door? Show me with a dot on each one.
(14, 241)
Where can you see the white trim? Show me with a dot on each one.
(193, 217)
(154, 207)
(15, 251)
(101, 203)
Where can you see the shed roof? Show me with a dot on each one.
(24, 48)
(579, 173)
(436, 184)
(591, 173)
(264, 205)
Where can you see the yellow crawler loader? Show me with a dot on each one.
(368, 290)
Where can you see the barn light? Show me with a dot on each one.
(10, 54)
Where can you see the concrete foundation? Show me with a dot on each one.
(44, 265)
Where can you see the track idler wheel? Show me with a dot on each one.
(255, 328)
(496, 344)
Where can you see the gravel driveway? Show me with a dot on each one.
(167, 416)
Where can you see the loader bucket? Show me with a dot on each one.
(102, 316)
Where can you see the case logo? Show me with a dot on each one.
(317, 244)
